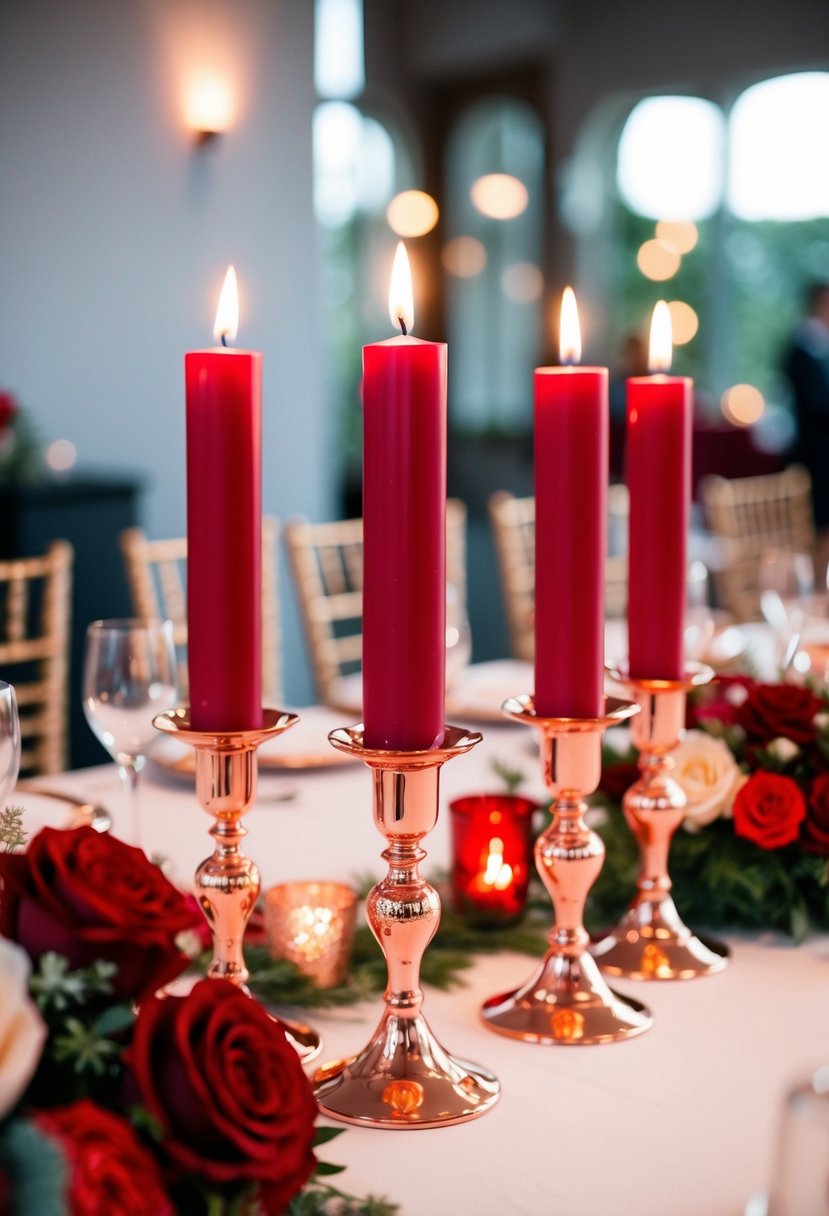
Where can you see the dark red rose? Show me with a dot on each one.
(771, 711)
(86, 895)
(8, 409)
(109, 1170)
(227, 1088)
(618, 778)
(719, 701)
(814, 835)
(769, 809)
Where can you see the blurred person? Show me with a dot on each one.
(805, 365)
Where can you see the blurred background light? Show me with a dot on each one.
(522, 282)
(339, 62)
(743, 404)
(658, 261)
(412, 213)
(684, 322)
(670, 158)
(681, 235)
(464, 257)
(499, 196)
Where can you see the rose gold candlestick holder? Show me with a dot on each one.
(227, 883)
(651, 942)
(404, 1078)
(566, 1001)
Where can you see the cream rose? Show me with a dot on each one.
(22, 1031)
(709, 775)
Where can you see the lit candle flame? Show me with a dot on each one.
(569, 333)
(661, 344)
(227, 314)
(497, 874)
(401, 304)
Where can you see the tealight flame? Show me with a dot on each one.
(227, 314)
(569, 333)
(661, 344)
(497, 874)
(401, 304)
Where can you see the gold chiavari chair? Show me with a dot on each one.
(35, 608)
(513, 532)
(326, 564)
(748, 515)
(157, 577)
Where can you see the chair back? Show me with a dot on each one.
(748, 515)
(326, 564)
(157, 578)
(35, 609)
(513, 532)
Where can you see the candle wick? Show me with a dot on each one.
(403, 325)
(224, 339)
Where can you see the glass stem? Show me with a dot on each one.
(129, 769)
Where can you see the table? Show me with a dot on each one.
(679, 1122)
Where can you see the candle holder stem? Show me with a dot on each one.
(651, 941)
(404, 1078)
(566, 1000)
(227, 882)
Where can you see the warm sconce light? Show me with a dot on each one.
(208, 107)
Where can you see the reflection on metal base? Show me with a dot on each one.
(305, 1041)
(651, 942)
(566, 1001)
(404, 1079)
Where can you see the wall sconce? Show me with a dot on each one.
(209, 107)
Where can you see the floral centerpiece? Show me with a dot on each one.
(20, 449)
(116, 1098)
(754, 851)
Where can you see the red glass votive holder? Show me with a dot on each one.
(492, 857)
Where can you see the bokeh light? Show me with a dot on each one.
(522, 282)
(412, 213)
(60, 455)
(657, 260)
(743, 404)
(671, 157)
(463, 256)
(684, 322)
(681, 235)
(499, 196)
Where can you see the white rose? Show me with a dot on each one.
(709, 775)
(783, 749)
(22, 1031)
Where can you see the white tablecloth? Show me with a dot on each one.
(679, 1122)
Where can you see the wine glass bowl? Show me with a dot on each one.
(787, 588)
(700, 622)
(129, 677)
(9, 741)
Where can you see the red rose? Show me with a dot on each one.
(618, 778)
(109, 1170)
(8, 409)
(814, 835)
(774, 710)
(768, 810)
(228, 1090)
(87, 895)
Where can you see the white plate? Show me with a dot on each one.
(304, 746)
(46, 808)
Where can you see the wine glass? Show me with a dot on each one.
(129, 677)
(9, 741)
(787, 586)
(458, 635)
(800, 1179)
(700, 624)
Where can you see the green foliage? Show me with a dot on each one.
(12, 833)
(36, 1168)
(719, 879)
(513, 778)
(21, 460)
(55, 988)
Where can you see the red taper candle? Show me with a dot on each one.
(659, 426)
(571, 461)
(404, 532)
(224, 529)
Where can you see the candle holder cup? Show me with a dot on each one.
(227, 883)
(651, 941)
(403, 1078)
(566, 1000)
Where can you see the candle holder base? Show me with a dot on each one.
(404, 1078)
(227, 882)
(651, 941)
(566, 1001)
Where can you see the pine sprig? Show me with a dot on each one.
(12, 833)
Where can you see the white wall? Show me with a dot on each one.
(115, 232)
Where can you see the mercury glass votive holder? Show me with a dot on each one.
(312, 925)
(492, 857)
